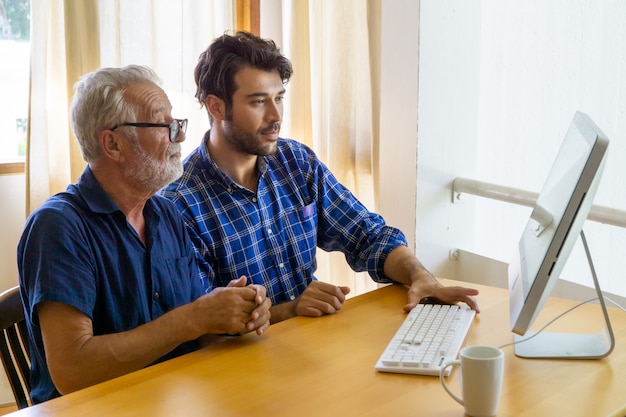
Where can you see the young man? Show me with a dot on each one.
(259, 205)
(107, 272)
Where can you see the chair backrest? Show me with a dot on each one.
(14, 346)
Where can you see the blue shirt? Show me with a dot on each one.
(78, 249)
(271, 235)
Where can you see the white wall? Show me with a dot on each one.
(399, 114)
(499, 84)
(448, 114)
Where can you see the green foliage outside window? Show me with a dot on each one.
(21, 125)
(15, 20)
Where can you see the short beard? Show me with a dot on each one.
(247, 143)
(151, 175)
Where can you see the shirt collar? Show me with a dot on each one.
(94, 195)
(96, 198)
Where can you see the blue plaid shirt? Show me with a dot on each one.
(271, 236)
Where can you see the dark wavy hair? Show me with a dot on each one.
(226, 55)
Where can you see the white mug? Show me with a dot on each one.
(482, 371)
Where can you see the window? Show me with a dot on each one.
(14, 73)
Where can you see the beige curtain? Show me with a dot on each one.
(168, 36)
(72, 37)
(64, 44)
(333, 100)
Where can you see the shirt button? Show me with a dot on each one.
(254, 199)
(269, 231)
(155, 296)
(292, 297)
(282, 265)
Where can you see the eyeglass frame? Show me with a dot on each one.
(175, 127)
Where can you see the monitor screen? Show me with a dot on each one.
(556, 220)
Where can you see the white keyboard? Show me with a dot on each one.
(429, 336)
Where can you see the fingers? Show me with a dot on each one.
(248, 306)
(239, 282)
(415, 296)
(261, 330)
(471, 301)
(328, 297)
(460, 294)
(409, 306)
(228, 310)
(260, 318)
(321, 298)
(325, 289)
(260, 292)
(448, 295)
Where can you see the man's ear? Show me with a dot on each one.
(216, 107)
(110, 145)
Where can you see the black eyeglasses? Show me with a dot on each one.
(175, 127)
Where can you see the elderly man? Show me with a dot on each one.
(107, 271)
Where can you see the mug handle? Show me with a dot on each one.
(443, 380)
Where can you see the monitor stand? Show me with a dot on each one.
(548, 345)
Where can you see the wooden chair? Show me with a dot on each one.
(14, 345)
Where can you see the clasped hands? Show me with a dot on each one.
(237, 308)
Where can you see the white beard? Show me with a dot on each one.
(151, 174)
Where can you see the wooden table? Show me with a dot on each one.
(325, 367)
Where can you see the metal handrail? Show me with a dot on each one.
(601, 214)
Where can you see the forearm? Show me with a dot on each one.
(81, 359)
(283, 311)
(403, 267)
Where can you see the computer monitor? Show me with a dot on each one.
(547, 240)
